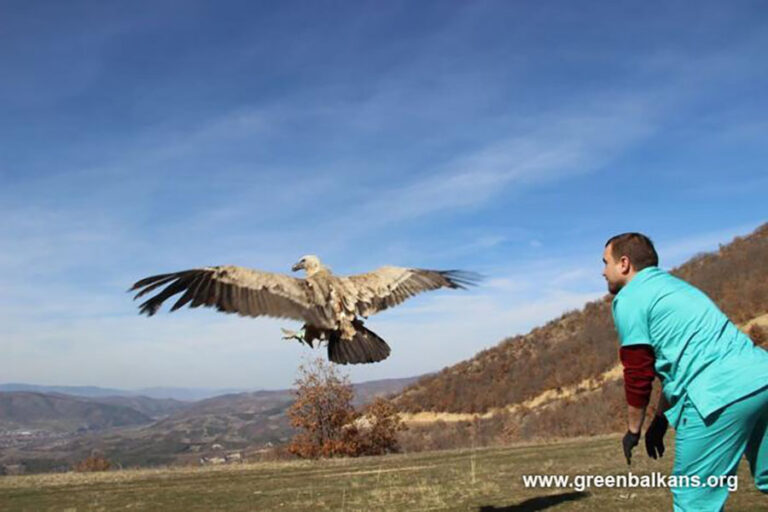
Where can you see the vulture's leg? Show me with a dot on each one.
(312, 333)
(298, 336)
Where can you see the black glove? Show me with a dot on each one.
(654, 436)
(630, 441)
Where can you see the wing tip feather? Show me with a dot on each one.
(462, 279)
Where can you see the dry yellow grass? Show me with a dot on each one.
(483, 479)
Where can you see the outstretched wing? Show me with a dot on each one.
(233, 289)
(389, 286)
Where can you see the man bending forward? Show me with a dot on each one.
(714, 379)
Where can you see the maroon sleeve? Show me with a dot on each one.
(638, 363)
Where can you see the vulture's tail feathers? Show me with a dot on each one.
(365, 347)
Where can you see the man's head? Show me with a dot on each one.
(624, 256)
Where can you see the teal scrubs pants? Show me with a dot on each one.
(715, 447)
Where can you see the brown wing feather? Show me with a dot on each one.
(233, 289)
(389, 286)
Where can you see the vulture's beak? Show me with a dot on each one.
(297, 266)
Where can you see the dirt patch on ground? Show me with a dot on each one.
(539, 400)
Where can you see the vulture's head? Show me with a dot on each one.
(310, 263)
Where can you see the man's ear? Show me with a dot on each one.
(626, 264)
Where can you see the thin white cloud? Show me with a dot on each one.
(557, 145)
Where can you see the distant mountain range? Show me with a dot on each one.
(64, 413)
(363, 389)
(65, 408)
(45, 429)
(185, 394)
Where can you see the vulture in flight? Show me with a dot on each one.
(330, 306)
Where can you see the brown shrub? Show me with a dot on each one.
(384, 423)
(330, 425)
(323, 411)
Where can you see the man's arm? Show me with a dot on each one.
(662, 405)
(635, 417)
(638, 361)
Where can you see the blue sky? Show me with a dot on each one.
(509, 138)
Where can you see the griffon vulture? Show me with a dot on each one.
(329, 305)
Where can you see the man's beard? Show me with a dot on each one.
(614, 288)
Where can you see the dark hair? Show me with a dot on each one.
(637, 247)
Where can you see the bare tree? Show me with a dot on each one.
(323, 411)
(330, 425)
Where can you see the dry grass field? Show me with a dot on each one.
(488, 479)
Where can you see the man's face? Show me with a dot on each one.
(615, 272)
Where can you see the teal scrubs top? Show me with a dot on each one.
(699, 352)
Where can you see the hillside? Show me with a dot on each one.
(181, 432)
(155, 408)
(521, 389)
(212, 427)
(59, 413)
